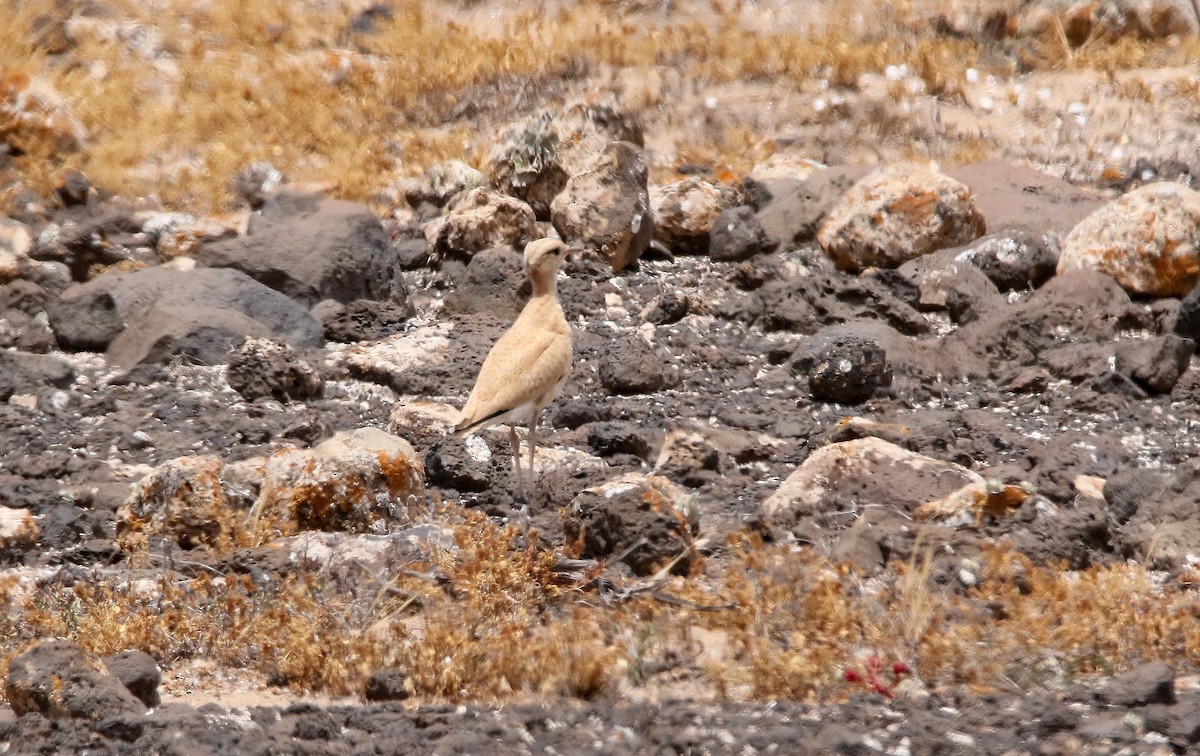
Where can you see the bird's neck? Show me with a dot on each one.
(545, 286)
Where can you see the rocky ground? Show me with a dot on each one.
(859, 454)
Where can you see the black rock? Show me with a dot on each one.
(362, 319)
(1156, 364)
(387, 684)
(264, 369)
(574, 413)
(87, 323)
(1149, 683)
(1187, 321)
(848, 370)
(737, 234)
(631, 366)
(138, 672)
(494, 281)
(1014, 260)
(450, 465)
(607, 439)
(312, 248)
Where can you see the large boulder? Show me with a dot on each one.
(535, 158)
(897, 213)
(311, 248)
(1147, 240)
(607, 206)
(480, 219)
(202, 314)
(865, 471)
(60, 680)
(362, 481)
(685, 210)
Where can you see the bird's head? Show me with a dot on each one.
(542, 257)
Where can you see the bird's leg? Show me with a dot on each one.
(515, 442)
(532, 438)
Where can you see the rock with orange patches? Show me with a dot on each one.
(1145, 240)
(35, 118)
(363, 481)
(898, 213)
(183, 500)
(18, 529)
(974, 502)
(865, 472)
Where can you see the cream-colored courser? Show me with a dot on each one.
(528, 366)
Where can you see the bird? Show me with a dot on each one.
(527, 367)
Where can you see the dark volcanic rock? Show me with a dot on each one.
(387, 684)
(737, 234)
(1150, 683)
(1187, 320)
(312, 248)
(85, 323)
(1078, 307)
(960, 289)
(1014, 260)
(200, 314)
(59, 679)
(795, 210)
(138, 672)
(23, 371)
(631, 366)
(607, 439)
(264, 369)
(631, 518)
(1156, 364)
(806, 303)
(494, 282)
(362, 319)
(451, 463)
(848, 370)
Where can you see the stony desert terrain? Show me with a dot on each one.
(880, 435)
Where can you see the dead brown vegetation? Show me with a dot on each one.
(494, 619)
(179, 96)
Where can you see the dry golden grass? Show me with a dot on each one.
(492, 620)
(178, 96)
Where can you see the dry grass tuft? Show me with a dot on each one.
(493, 620)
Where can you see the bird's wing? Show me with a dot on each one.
(517, 371)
